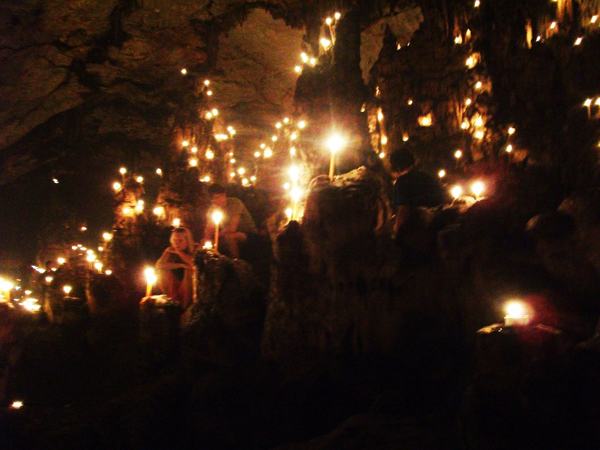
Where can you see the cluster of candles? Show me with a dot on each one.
(327, 42)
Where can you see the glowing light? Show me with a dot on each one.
(139, 179)
(456, 191)
(335, 143)
(329, 21)
(209, 115)
(194, 149)
(268, 153)
(151, 278)
(288, 213)
(117, 186)
(468, 102)
(465, 124)
(286, 120)
(578, 41)
(478, 122)
(410, 101)
(458, 40)
(193, 162)
(17, 404)
(278, 125)
(241, 171)
(293, 151)
(183, 71)
(274, 138)
(382, 155)
(477, 3)
(232, 160)
(588, 102)
(48, 279)
(61, 261)
(208, 245)
(287, 186)
(425, 121)
(90, 258)
(517, 313)
(442, 173)
(337, 15)
(209, 93)
(478, 85)
(217, 217)
(185, 143)
(326, 43)
(293, 136)
(294, 172)
(108, 272)
(215, 112)
(509, 148)
(54, 180)
(304, 57)
(159, 172)
(263, 146)
(257, 154)
(176, 222)
(471, 62)
(209, 154)
(221, 137)
(232, 174)
(593, 19)
(553, 25)
(252, 178)
(206, 179)
(245, 182)
(380, 115)
(158, 211)
(511, 131)
(296, 194)
(302, 124)
(384, 140)
(127, 211)
(83, 229)
(538, 39)
(405, 137)
(122, 170)
(67, 289)
(597, 102)
(477, 188)
(297, 69)
(206, 82)
(312, 61)
(458, 154)
(98, 266)
(479, 134)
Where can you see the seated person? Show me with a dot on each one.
(414, 192)
(175, 267)
(236, 225)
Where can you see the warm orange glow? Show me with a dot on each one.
(425, 121)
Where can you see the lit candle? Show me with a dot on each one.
(150, 280)
(588, 105)
(67, 290)
(516, 314)
(217, 217)
(456, 192)
(335, 143)
(477, 188)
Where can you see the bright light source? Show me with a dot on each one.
(185, 143)
(150, 275)
(117, 186)
(278, 125)
(458, 154)
(509, 148)
(194, 149)
(477, 188)
(209, 154)
(176, 222)
(442, 173)
(456, 191)
(183, 71)
(139, 179)
(67, 289)
(193, 162)
(159, 172)
(122, 170)
(302, 124)
(578, 41)
(511, 130)
(297, 69)
(335, 143)
(217, 216)
(158, 211)
(17, 404)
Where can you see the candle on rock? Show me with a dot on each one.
(516, 314)
(335, 144)
(150, 275)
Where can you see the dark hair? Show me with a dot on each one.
(216, 189)
(401, 160)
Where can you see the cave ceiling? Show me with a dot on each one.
(106, 76)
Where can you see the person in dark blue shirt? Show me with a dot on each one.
(413, 189)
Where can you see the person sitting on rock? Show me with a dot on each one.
(237, 223)
(176, 267)
(414, 193)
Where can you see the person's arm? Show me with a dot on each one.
(402, 214)
(165, 263)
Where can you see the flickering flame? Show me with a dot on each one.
(215, 112)
(478, 85)
(458, 40)
(185, 143)
(335, 143)
(183, 71)
(479, 134)
(425, 121)
(458, 154)
(337, 15)
(511, 131)
(442, 173)
(126, 210)
(263, 146)
(194, 149)
(232, 174)
(593, 19)
(382, 155)
(217, 217)
(509, 148)
(67, 289)
(122, 170)
(478, 122)
(468, 102)
(288, 213)
(193, 162)
(293, 151)
(465, 124)
(578, 41)
(150, 275)
(274, 138)
(268, 153)
(107, 236)
(47, 280)
(209, 93)
(477, 188)
(516, 309)
(297, 69)
(176, 222)
(232, 160)
(117, 186)
(245, 182)
(294, 172)
(159, 172)
(208, 245)
(17, 404)
(158, 211)
(253, 178)
(296, 194)
(241, 171)
(313, 61)
(329, 21)
(209, 154)
(588, 102)
(286, 120)
(278, 125)
(90, 258)
(456, 191)
(405, 137)
(61, 261)
(410, 101)
(206, 82)
(108, 272)
(139, 179)
(553, 25)
(206, 179)
(209, 115)
(286, 186)
(98, 266)
(384, 140)
(477, 3)
(304, 57)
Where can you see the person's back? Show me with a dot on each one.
(417, 189)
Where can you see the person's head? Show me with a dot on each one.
(401, 161)
(182, 240)
(218, 194)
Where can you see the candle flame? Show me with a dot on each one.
(150, 275)
(217, 217)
